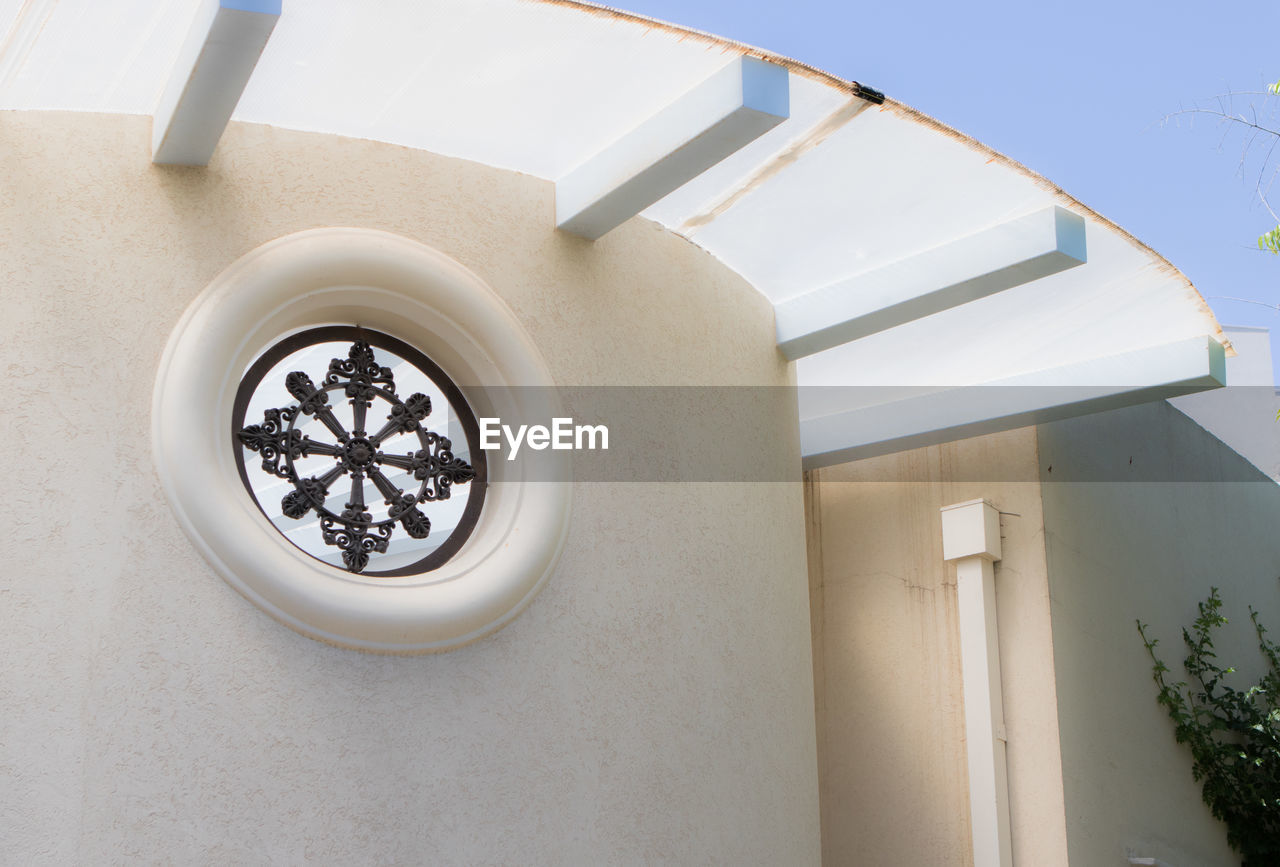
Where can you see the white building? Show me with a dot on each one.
(687, 649)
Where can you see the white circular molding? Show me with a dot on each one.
(402, 288)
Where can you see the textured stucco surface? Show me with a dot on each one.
(1121, 548)
(887, 655)
(653, 704)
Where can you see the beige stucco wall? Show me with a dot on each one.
(1106, 519)
(1130, 538)
(653, 704)
(887, 655)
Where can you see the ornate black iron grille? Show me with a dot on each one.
(403, 478)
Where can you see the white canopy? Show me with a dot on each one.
(827, 199)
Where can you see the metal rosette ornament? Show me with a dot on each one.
(342, 515)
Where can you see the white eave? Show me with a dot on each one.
(831, 199)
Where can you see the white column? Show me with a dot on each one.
(971, 538)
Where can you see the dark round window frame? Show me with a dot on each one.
(466, 416)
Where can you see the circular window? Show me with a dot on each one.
(353, 443)
(454, 568)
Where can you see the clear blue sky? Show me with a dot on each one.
(1077, 92)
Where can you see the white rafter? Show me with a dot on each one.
(717, 117)
(222, 48)
(1001, 257)
(839, 424)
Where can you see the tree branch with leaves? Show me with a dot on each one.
(1267, 129)
(1271, 240)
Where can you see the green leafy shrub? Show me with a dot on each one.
(1234, 735)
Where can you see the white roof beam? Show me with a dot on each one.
(213, 67)
(728, 110)
(832, 435)
(1007, 255)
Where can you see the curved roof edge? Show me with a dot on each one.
(790, 63)
(851, 86)
(539, 86)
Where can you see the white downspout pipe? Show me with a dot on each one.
(971, 538)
